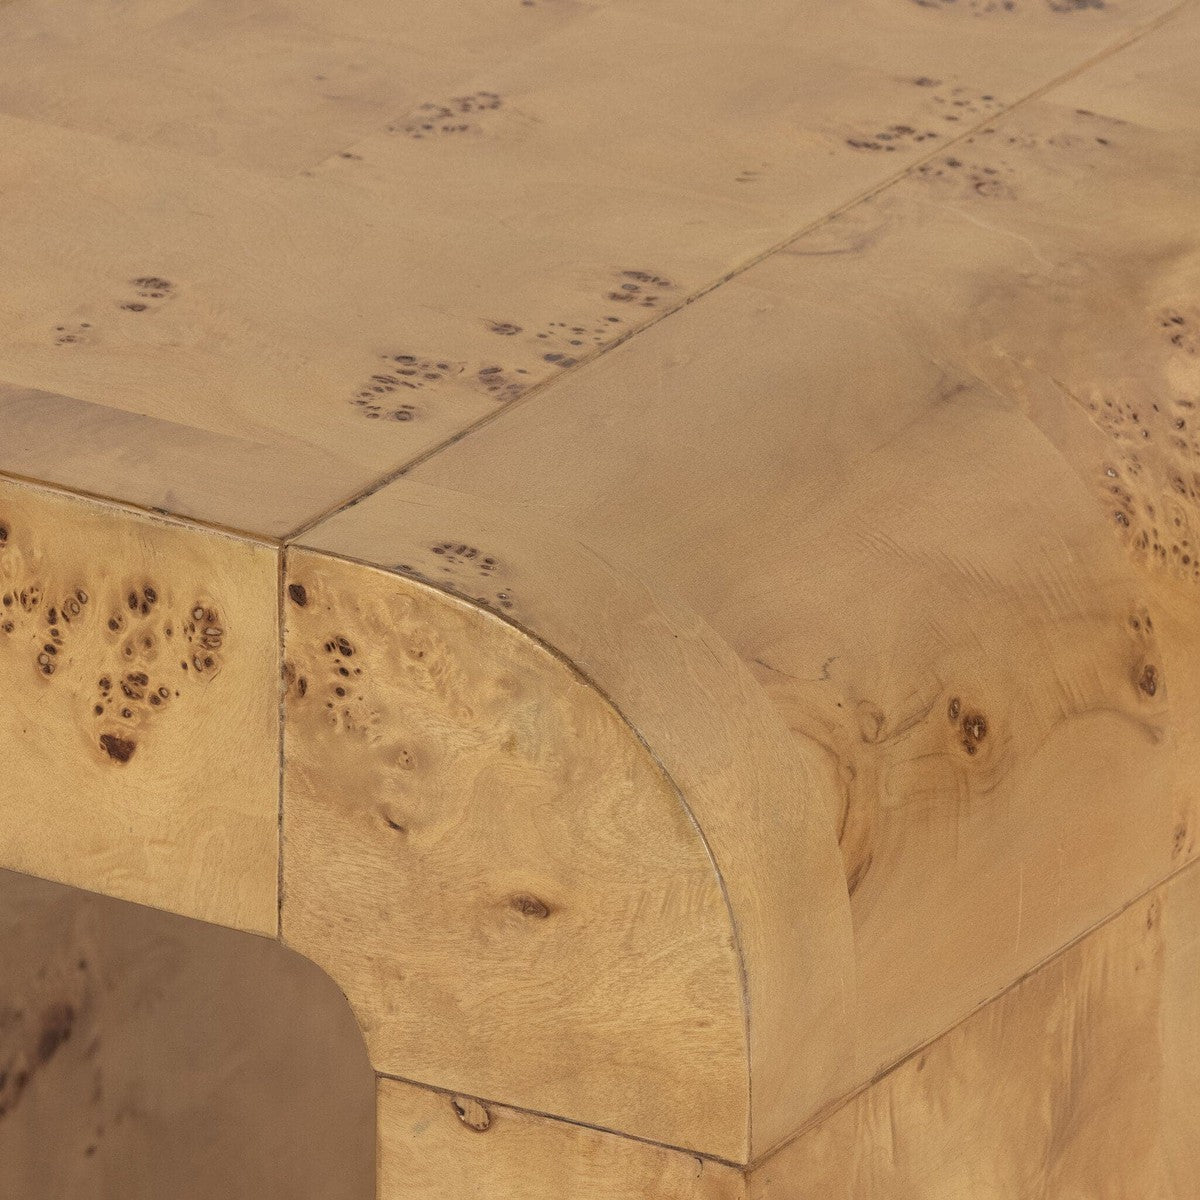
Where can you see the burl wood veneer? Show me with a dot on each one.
(656, 543)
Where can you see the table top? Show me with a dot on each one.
(258, 258)
(854, 349)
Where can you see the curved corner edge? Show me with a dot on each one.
(760, 807)
(496, 871)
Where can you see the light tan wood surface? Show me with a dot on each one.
(1081, 1081)
(434, 1144)
(685, 521)
(905, 526)
(497, 871)
(246, 282)
(674, 750)
(139, 665)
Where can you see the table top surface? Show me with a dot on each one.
(259, 258)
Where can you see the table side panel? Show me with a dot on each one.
(139, 707)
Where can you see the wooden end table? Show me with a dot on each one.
(657, 544)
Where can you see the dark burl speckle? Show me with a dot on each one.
(985, 8)
(504, 384)
(73, 335)
(641, 288)
(1150, 485)
(970, 725)
(530, 906)
(891, 138)
(459, 114)
(151, 287)
(968, 178)
(1182, 843)
(974, 729)
(954, 105)
(24, 609)
(461, 568)
(472, 1113)
(345, 700)
(132, 653)
(1181, 330)
(563, 342)
(1148, 680)
(147, 290)
(119, 749)
(401, 375)
(978, 8)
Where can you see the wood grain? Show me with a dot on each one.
(267, 254)
(881, 465)
(771, 628)
(757, 799)
(495, 870)
(1081, 1081)
(139, 713)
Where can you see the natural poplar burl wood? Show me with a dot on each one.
(139, 675)
(757, 800)
(519, 897)
(258, 256)
(764, 516)
(496, 871)
(1080, 1081)
(932, 472)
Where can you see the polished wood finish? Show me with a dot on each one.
(1081, 1081)
(678, 598)
(139, 664)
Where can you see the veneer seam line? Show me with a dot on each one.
(538, 389)
(841, 1102)
(148, 512)
(568, 1121)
